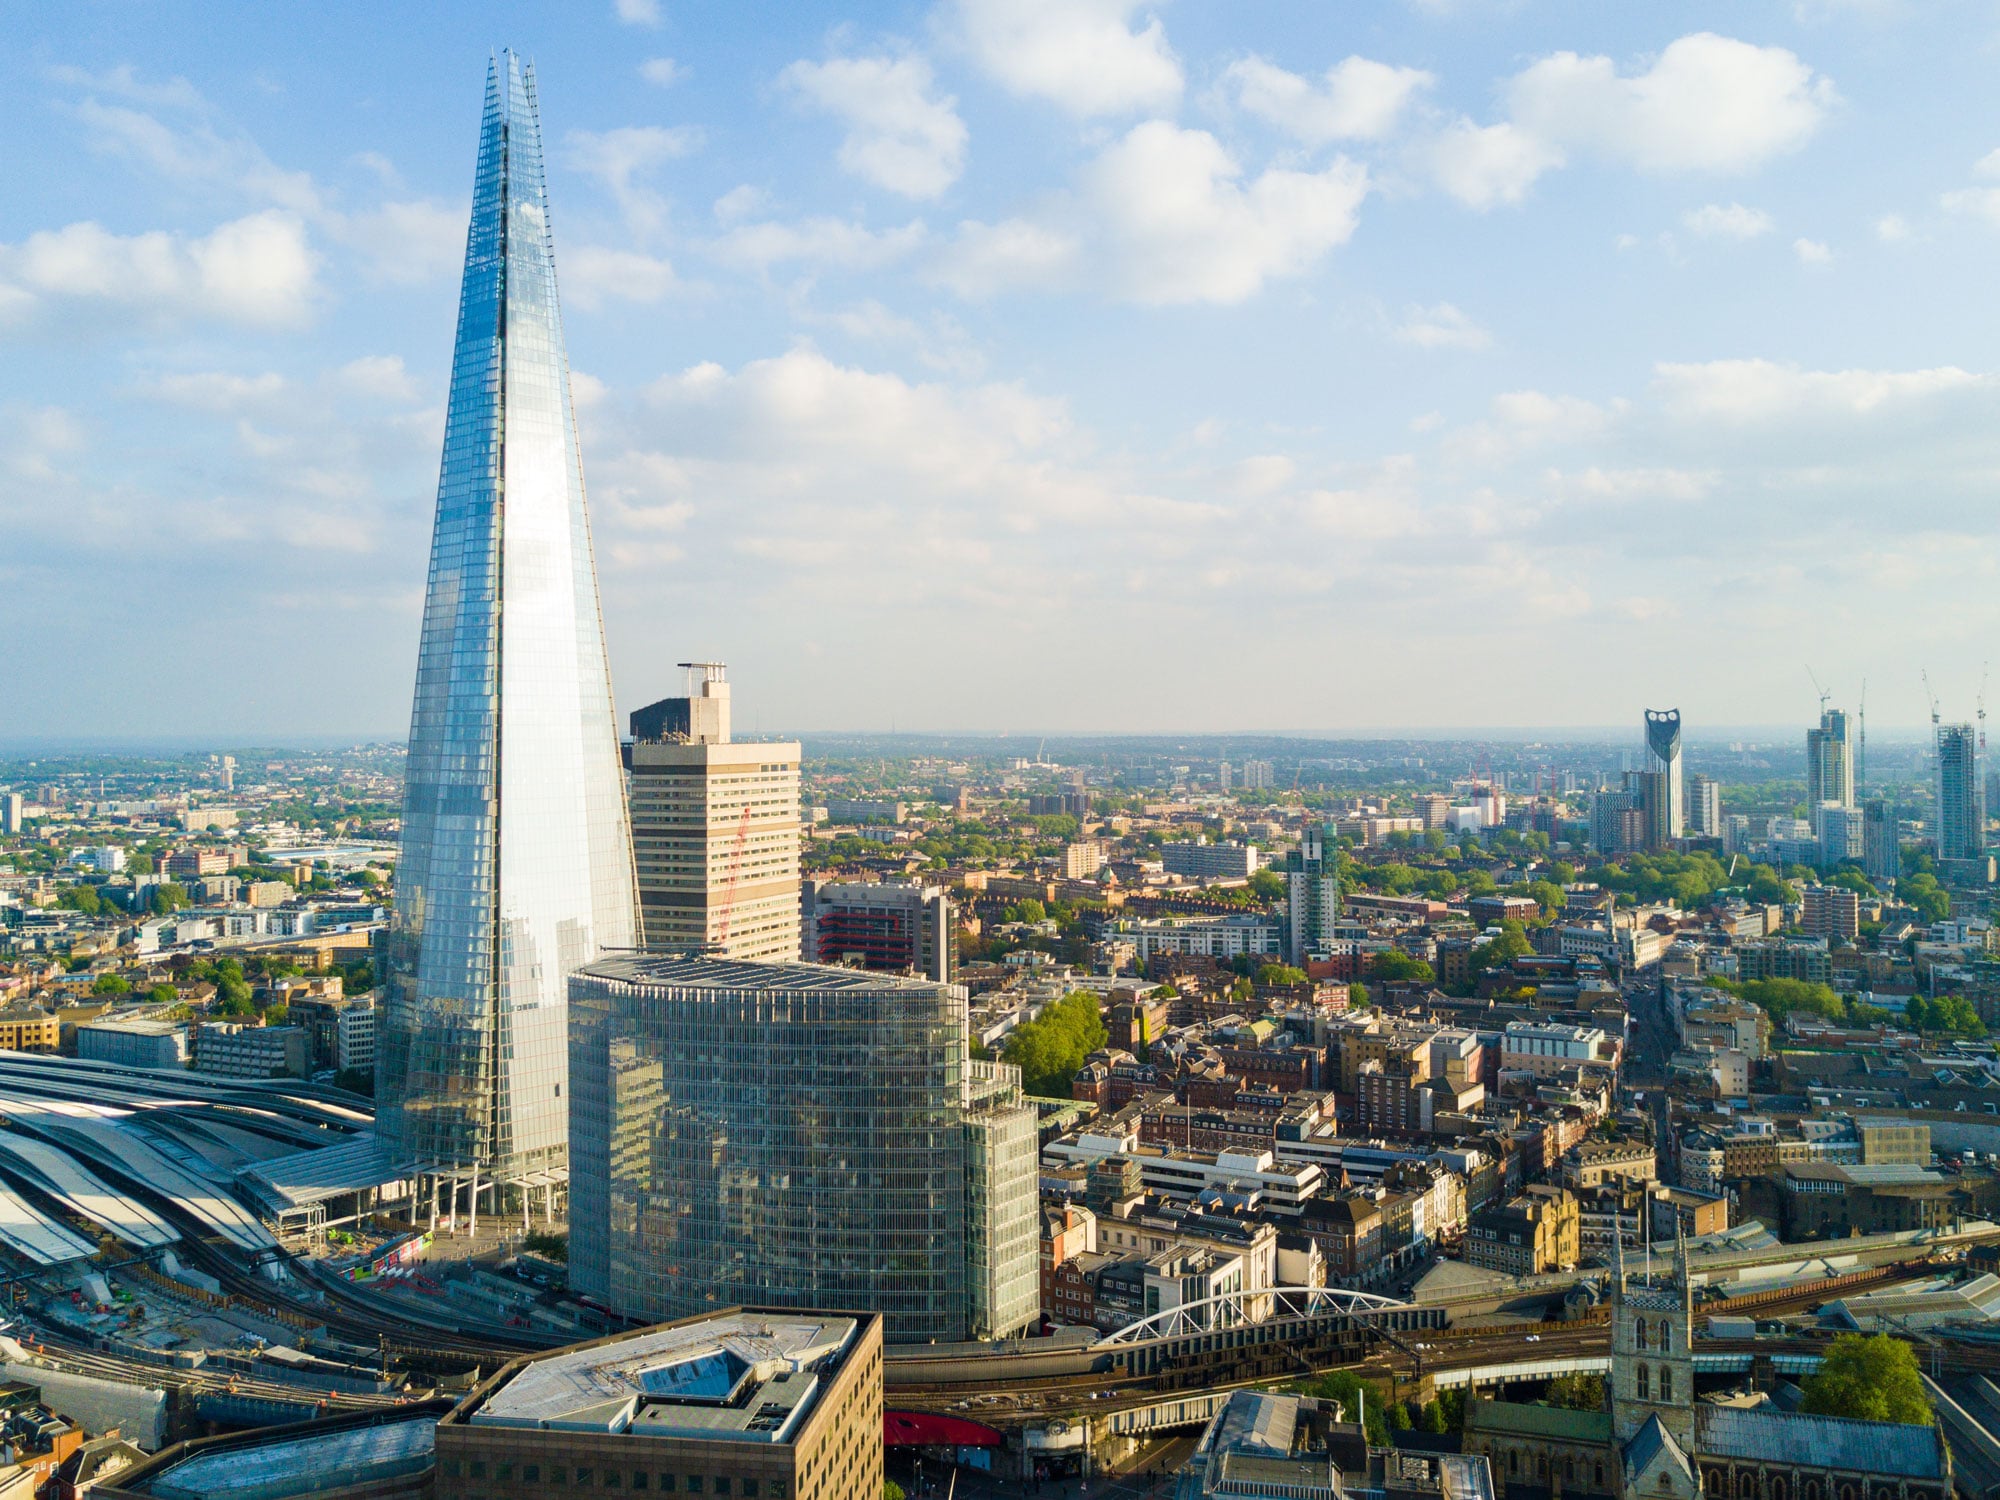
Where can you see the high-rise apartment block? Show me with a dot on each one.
(1831, 911)
(1830, 761)
(1961, 818)
(1200, 860)
(1312, 895)
(1704, 807)
(1881, 852)
(516, 863)
(894, 927)
(715, 829)
(11, 814)
(1667, 817)
(1256, 775)
(793, 1135)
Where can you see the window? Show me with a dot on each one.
(749, 1489)
(475, 1468)
(1645, 1382)
(1666, 1335)
(1642, 1333)
(638, 1479)
(1666, 1384)
(531, 1473)
(722, 1484)
(694, 1484)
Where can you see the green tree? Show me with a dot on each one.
(1360, 1401)
(1280, 974)
(163, 994)
(1030, 911)
(1498, 952)
(167, 899)
(1431, 1418)
(83, 898)
(891, 1490)
(1875, 1379)
(1396, 965)
(1578, 1391)
(550, 1244)
(1049, 1049)
(111, 984)
(1267, 885)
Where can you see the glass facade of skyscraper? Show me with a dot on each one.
(792, 1135)
(516, 861)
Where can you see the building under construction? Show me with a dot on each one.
(715, 829)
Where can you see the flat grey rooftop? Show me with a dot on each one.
(682, 1381)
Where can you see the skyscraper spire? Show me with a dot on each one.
(516, 863)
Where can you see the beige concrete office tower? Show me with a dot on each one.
(715, 829)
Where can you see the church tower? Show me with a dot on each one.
(1651, 1387)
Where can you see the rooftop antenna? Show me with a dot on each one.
(1861, 740)
(1983, 673)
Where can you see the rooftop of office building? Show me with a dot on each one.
(746, 1375)
(693, 971)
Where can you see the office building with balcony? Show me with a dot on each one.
(893, 927)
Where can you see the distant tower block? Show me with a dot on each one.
(1668, 820)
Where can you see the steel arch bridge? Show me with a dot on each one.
(1249, 1310)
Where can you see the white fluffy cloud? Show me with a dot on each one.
(637, 12)
(900, 134)
(1182, 224)
(1762, 390)
(983, 259)
(623, 159)
(593, 275)
(257, 270)
(1360, 99)
(1707, 103)
(1084, 56)
(1442, 326)
(818, 242)
(1486, 165)
(662, 72)
(1730, 222)
(1812, 252)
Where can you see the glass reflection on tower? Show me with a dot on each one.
(516, 860)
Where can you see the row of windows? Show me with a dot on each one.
(610, 1477)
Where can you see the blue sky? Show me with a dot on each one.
(1028, 364)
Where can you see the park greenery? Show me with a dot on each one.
(1875, 1379)
(1049, 1049)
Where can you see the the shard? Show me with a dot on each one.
(516, 864)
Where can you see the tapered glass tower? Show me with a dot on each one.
(516, 864)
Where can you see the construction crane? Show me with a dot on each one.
(1931, 694)
(729, 885)
(1983, 672)
(1861, 739)
(1824, 695)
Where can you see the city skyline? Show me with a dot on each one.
(1292, 354)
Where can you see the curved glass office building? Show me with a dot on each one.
(516, 862)
(792, 1135)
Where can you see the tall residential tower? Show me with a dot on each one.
(1666, 807)
(516, 863)
(1961, 814)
